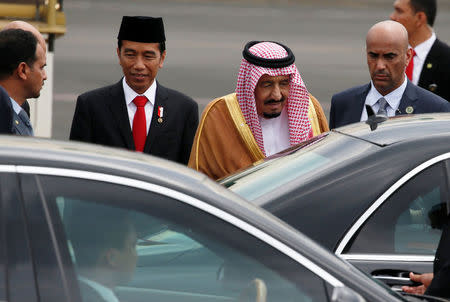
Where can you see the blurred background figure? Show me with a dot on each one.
(430, 65)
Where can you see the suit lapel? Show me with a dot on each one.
(156, 126)
(18, 126)
(359, 101)
(429, 66)
(408, 101)
(120, 113)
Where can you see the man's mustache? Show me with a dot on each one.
(381, 73)
(273, 101)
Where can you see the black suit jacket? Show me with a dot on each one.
(5, 112)
(441, 268)
(435, 75)
(101, 117)
(347, 106)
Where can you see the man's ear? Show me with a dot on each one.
(111, 257)
(118, 54)
(421, 18)
(22, 70)
(163, 57)
(409, 56)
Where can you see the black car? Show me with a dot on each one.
(78, 221)
(376, 198)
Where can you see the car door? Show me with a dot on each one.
(401, 231)
(17, 282)
(184, 249)
(28, 262)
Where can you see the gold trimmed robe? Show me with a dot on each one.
(224, 143)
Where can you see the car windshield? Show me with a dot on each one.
(302, 164)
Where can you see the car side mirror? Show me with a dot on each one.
(345, 294)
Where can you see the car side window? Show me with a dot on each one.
(410, 220)
(150, 247)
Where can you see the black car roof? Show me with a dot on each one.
(398, 128)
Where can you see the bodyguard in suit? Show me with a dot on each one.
(389, 92)
(22, 75)
(138, 113)
(430, 66)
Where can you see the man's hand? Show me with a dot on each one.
(425, 279)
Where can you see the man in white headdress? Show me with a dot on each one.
(270, 111)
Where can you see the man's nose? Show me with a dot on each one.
(276, 92)
(139, 63)
(381, 64)
(393, 16)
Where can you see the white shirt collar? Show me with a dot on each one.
(130, 94)
(393, 98)
(423, 48)
(16, 107)
(106, 293)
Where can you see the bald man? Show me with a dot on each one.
(41, 41)
(28, 27)
(389, 92)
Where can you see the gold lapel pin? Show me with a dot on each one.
(429, 65)
(17, 122)
(409, 109)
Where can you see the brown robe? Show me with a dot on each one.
(224, 143)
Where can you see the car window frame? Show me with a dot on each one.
(195, 202)
(13, 226)
(356, 227)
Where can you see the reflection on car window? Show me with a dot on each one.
(331, 150)
(141, 246)
(410, 221)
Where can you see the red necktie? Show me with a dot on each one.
(410, 67)
(139, 123)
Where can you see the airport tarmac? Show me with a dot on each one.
(205, 39)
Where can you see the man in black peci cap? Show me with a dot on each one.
(138, 113)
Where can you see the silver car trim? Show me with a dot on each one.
(388, 257)
(7, 168)
(391, 278)
(193, 202)
(348, 236)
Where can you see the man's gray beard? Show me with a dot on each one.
(271, 115)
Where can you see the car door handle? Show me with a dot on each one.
(390, 280)
(395, 278)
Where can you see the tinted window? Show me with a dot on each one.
(319, 154)
(149, 247)
(410, 220)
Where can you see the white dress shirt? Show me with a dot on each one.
(106, 293)
(393, 99)
(130, 94)
(422, 51)
(275, 133)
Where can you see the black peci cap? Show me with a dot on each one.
(142, 29)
